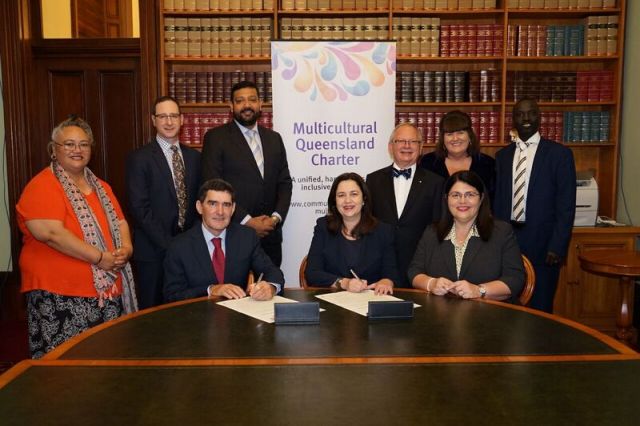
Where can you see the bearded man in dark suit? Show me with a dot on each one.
(253, 160)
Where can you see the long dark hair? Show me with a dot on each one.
(454, 121)
(334, 218)
(484, 221)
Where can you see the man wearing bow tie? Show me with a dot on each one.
(536, 191)
(405, 196)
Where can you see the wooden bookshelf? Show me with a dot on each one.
(598, 155)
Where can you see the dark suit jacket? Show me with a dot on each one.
(188, 270)
(496, 259)
(551, 199)
(482, 164)
(226, 155)
(326, 261)
(422, 208)
(152, 198)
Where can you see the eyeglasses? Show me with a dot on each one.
(70, 146)
(165, 117)
(457, 196)
(406, 142)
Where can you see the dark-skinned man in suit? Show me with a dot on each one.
(253, 160)
(539, 198)
(405, 196)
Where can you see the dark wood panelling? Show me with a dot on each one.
(119, 110)
(101, 18)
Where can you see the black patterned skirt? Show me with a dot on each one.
(53, 319)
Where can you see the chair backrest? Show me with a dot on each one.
(530, 281)
(301, 278)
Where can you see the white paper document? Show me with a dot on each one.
(357, 302)
(258, 309)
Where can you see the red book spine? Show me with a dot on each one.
(582, 86)
(430, 135)
(593, 86)
(463, 40)
(497, 37)
(472, 40)
(445, 40)
(454, 40)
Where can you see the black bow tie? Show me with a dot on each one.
(404, 172)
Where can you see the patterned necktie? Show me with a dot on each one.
(256, 150)
(181, 189)
(520, 183)
(404, 172)
(217, 259)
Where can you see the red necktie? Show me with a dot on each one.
(217, 259)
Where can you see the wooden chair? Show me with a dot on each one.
(301, 278)
(530, 281)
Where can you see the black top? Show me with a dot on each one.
(482, 164)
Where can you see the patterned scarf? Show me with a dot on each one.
(103, 281)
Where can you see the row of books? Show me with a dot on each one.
(561, 4)
(213, 86)
(217, 5)
(448, 86)
(348, 28)
(471, 40)
(417, 36)
(568, 126)
(485, 124)
(217, 37)
(196, 124)
(597, 36)
(602, 35)
(580, 86)
(268, 5)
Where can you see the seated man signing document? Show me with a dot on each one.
(214, 257)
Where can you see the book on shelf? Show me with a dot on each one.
(194, 38)
(169, 37)
(206, 31)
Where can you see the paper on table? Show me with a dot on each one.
(357, 302)
(258, 309)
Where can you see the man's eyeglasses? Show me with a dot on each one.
(165, 117)
(457, 196)
(406, 142)
(70, 146)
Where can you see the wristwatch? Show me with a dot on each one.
(483, 290)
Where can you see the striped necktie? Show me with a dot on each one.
(256, 150)
(181, 189)
(520, 183)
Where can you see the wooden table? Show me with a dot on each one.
(457, 361)
(624, 264)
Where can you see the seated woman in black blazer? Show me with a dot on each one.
(458, 148)
(468, 253)
(350, 249)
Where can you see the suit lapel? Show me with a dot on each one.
(163, 166)
(416, 187)
(539, 160)
(473, 248)
(450, 258)
(201, 253)
(243, 147)
(389, 192)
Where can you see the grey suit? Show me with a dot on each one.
(483, 261)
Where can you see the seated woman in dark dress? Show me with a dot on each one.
(468, 253)
(458, 149)
(351, 250)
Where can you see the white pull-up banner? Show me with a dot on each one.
(334, 105)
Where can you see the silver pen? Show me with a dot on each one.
(354, 275)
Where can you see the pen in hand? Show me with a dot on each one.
(256, 283)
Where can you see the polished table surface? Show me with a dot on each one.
(457, 361)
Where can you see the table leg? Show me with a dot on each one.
(623, 322)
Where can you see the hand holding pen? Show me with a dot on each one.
(355, 284)
(261, 290)
(384, 286)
